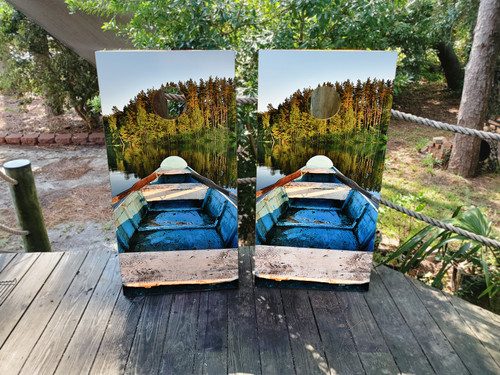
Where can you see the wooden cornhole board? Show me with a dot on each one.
(315, 109)
(176, 230)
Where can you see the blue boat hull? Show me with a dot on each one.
(175, 212)
(339, 219)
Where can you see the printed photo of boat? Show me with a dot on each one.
(170, 133)
(321, 149)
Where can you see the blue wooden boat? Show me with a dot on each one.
(176, 212)
(176, 233)
(315, 228)
(317, 210)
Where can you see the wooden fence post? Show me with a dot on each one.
(29, 213)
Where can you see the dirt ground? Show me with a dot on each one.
(74, 193)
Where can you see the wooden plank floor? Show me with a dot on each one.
(66, 314)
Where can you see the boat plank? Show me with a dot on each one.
(36, 317)
(179, 348)
(114, 350)
(20, 298)
(83, 346)
(160, 192)
(146, 351)
(274, 343)
(5, 259)
(211, 343)
(149, 269)
(398, 336)
(52, 344)
(307, 348)
(483, 323)
(243, 342)
(433, 342)
(370, 343)
(317, 190)
(472, 352)
(282, 263)
(340, 350)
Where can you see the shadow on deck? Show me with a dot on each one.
(66, 314)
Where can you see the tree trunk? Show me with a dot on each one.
(449, 62)
(479, 72)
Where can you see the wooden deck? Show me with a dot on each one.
(66, 314)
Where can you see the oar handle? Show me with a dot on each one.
(212, 184)
(353, 185)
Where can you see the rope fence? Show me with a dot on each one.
(10, 180)
(429, 220)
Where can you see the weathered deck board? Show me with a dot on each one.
(243, 342)
(398, 336)
(438, 350)
(471, 351)
(274, 343)
(29, 283)
(370, 344)
(307, 348)
(5, 260)
(399, 326)
(53, 342)
(479, 321)
(19, 346)
(180, 341)
(340, 350)
(212, 341)
(82, 348)
(145, 354)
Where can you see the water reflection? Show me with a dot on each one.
(214, 160)
(362, 162)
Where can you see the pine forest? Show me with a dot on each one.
(364, 111)
(209, 115)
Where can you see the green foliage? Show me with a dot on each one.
(411, 27)
(364, 109)
(450, 249)
(34, 62)
(209, 114)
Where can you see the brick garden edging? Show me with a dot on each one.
(96, 138)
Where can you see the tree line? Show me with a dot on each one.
(364, 108)
(209, 114)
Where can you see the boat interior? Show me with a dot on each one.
(316, 211)
(175, 212)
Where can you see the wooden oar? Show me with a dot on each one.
(283, 181)
(137, 186)
(212, 184)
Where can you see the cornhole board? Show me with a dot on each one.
(323, 118)
(168, 117)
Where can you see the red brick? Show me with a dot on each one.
(97, 138)
(13, 139)
(438, 140)
(430, 144)
(423, 150)
(63, 139)
(80, 138)
(2, 138)
(30, 139)
(438, 146)
(46, 139)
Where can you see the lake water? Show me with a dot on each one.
(214, 160)
(362, 162)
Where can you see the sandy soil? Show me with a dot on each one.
(74, 193)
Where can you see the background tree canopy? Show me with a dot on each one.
(34, 62)
(427, 33)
